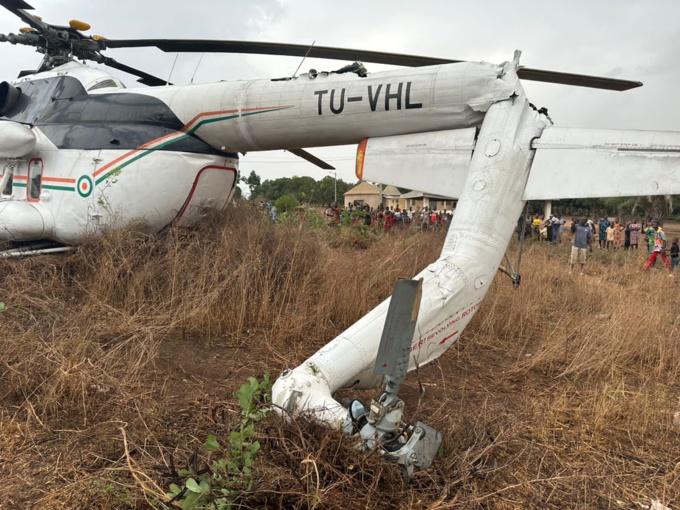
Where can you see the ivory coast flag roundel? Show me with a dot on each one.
(84, 186)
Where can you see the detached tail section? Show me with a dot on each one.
(592, 163)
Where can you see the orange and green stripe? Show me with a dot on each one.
(67, 184)
(59, 183)
(20, 181)
(188, 130)
(53, 183)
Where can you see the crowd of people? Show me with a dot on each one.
(388, 218)
(610, 233)
(382, 218)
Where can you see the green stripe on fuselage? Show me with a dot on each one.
(180, 137)
(57, 188)
(216, 119)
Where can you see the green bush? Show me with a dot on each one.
(286, 203)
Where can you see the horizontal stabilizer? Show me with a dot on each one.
(592, 163)
(433, 163)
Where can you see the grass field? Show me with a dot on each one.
(119, 359)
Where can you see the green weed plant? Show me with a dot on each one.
(230, 474)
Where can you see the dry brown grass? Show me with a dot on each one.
(560, 396)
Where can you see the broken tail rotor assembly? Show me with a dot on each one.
(380, 425)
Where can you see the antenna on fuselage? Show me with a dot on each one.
(303, 59)
(196, 70)
(171, 70)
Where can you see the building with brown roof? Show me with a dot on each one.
(364, 193)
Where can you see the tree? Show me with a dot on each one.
(252, 181)
(660, 206)
(304, 189)
(656, 206)
(326, 190)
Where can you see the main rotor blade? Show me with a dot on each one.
(398, 59)
(13, 5)
(17, 7)
(268, 48)
(144, 78)
(579, 80)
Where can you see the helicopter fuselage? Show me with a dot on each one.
(100, 160)
(105, 155)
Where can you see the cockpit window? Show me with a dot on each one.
(104, 84)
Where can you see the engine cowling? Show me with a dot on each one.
(16, 139)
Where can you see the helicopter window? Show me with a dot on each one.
(8, 186)
(35, 169)
(105, 84)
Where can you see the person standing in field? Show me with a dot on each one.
(602, 235)
(592, 226)
(649, 231)
(659, 248)
(610, 236)
(334, 214)
(543, 231)
(583, 236)
(635, 228)
(536, 227)
(675, 253)
(618, 237)
(426, 220)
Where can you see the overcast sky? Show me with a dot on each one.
(638, 40)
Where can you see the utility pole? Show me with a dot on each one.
(335, 188)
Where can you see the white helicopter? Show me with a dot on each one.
(79, 152)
